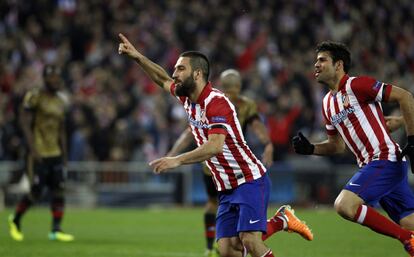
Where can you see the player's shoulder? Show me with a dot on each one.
(32, 98)
(218, 103)
(247, 102)
(246, 99)
(327, 95)
(35, 91)
(33, 94)
(215, 96)
(216, 92)
(363, 80)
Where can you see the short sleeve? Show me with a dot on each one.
(330, 129)
(367, 89)
(220, 116)
(31, 99)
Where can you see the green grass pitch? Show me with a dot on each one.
(178, 232)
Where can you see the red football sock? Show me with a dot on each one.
(274, 225)
(369, 217)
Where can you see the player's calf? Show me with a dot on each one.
(347, 204)
(229, 247)
(252, 241)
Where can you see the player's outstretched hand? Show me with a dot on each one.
(302, 145)
(164, 164)
(125, 47)
(409, 151)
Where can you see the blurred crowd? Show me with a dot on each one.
(116, 113)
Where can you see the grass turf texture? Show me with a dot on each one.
(179, 232)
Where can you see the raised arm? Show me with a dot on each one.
(154, 71)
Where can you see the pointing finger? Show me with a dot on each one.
(123, 38)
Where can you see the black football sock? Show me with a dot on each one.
(210, 229)
(57, 208)
(21, 208)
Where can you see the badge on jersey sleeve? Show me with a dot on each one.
(219, 119)
(377, 85)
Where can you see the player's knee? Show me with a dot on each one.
(225, 252)
(213, 201)
(225, 248)
(35, 193)
(57, 193)
(345, 209)
(57, 189)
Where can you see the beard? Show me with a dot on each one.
(186, 88)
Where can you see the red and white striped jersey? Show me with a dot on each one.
(213, 113)
(355, 112)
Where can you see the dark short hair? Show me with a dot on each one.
(198, 61)
(338, 51)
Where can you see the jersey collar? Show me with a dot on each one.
(343, 81)
(206, 91)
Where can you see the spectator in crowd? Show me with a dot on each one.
(267, 41)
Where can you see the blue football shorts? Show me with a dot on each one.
(243, 209)
(384, 182)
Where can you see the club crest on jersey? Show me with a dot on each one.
(202, 116)
(345, 101)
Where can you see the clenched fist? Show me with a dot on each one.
(302, 145)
